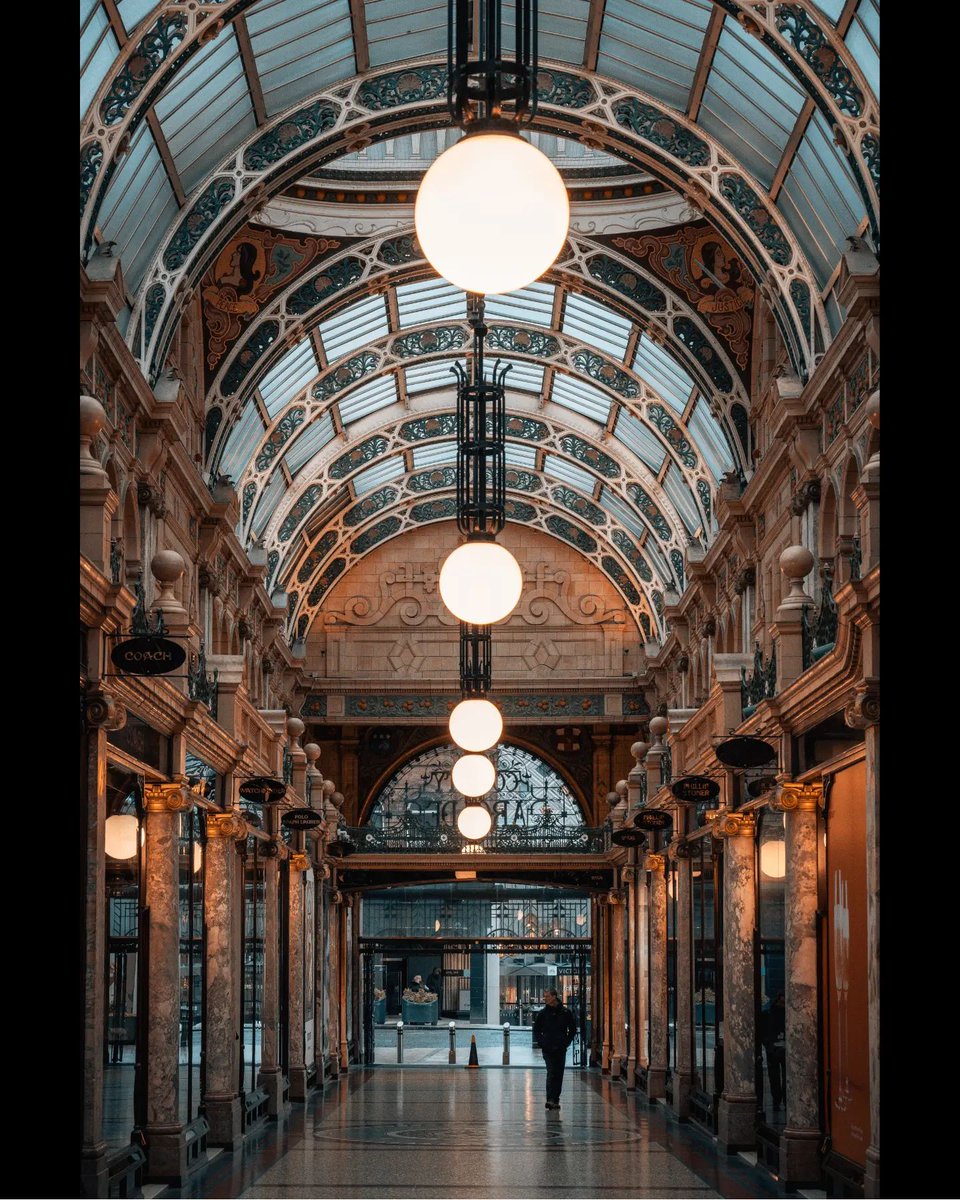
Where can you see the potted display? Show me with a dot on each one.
(379, 1006)
(420, 1008)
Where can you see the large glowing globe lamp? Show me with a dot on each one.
(473, 775)
(120, 836)
(474, 821)
(481, 582)
(773, 859)
(476, 725)
(492, 213)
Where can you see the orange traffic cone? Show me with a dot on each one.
(474, 1061)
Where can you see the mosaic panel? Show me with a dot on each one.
(432, 481)
(298, 129)
(334, 279)
(376, 533)
(328, 577)
(658, 416)
(429, 341)
(349, 372)
(570, 533)
(814, 47)
(369, 505)
(620, 577)
(428, 427)
(583, 452)
(317, 555)
(633, 555)
(253, 350)
(436, 510)
(579, 505)
(656, 127)
(280, 436)
(757, 216)
(628, 282)
(695, 341)
(606, 373)
(649, 510)
(367, 451)
(299, 511)
(154, 48)
(204, 211)
(517, 510)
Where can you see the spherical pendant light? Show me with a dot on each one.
(481, 582)
(476, 725)
(474, 821)
(473, 775)
(120, 836)
(492, 213)
(773, 859)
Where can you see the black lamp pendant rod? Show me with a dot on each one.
(477, 88)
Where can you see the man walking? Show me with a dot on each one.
(554, 1029)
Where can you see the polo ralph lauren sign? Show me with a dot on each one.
(147, 656)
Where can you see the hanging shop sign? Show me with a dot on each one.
(301, 818)
(147, 656)
(263, 789)
(756, 787)
(653, 818)
(339, 848)
(691, 789)
(745, 752)
(628, 837)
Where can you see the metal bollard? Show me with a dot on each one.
(506, 1043)
(399, 1041)
(452, 1055)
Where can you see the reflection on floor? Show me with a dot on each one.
(413, 1132)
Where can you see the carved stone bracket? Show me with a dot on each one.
(678, 850)
(864, 709)
(168, 797)
(805, 495)
(150, 495)
(735, 825)
(805, 797)
(102, 711)
(654, 862)
(226, 825)
(745, 577)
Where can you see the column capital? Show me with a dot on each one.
(654, 862)
(299, 862)
(678, 850)
(864, 709)
(226, 825)
(738, 824)
(102, 710)
(805, 797)
(168, 797)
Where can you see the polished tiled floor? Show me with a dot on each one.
(409, 1132)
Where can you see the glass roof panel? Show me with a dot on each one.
(654, 46)
(430, 300)
(426, 377)
(241, 442)
(625, 513)
(581, 398)
(710, 439)
(664, 374)
(432, 456)
(636, 436)
(751, 102)
(682, 499)
(138, 207)
(520, 456)
(354, 326)
(311, 442)
(300, 48)
(206, 107)
(273, 493)
(368, 398)
(132, 12)
(562, 27)
(597, 324)
(524, 377)
(863, 38)
(293, 372)
(533, 304)
(820, 199)
(374, 476)
(398, 29)
(98, 48)
(831, 8)
(562, 468)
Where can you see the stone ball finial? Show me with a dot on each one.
(658, 727)
(620, 787)
(796, 562)
(613, 799)
(294, 728)
(336, 798)
(93, 418)
(167, 566)
(872, 409)
(329, 787)
(639, 750)
(311, 750)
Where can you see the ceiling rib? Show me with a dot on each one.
(591, 42)
(705, 62)
(249, 62)
(166, 157)
(360, 47)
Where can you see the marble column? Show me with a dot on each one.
(333, 982)
(165, 1134)
(736, 1118)
(618, 1051)
(596, 990)
(606, 1045)
(642, 1015)
(635, 1030)
(344, 913)
(296, 1065)
(684, 1071)
(222, 1104)
(271, 1077)
(801, 1136)
(659, 1047)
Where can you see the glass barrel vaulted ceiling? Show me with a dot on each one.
(633, 430)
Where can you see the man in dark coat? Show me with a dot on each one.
(554, 1029)
(772, 1027)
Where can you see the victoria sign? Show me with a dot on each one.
(147, 656)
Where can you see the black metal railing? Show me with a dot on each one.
(412, 836)
(666, 765)
(761, 683)
(202, 686)
(856, 563)
(820, 632)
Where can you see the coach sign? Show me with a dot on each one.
(147, 656)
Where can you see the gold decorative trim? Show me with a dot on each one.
(654, 862)
(167, 797)
(798, 797)
(735, 825)
(226, 825)
(299, 862)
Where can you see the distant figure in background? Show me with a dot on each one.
(435, 982)
(773, 1037)
(418, 985)
(554, 1029)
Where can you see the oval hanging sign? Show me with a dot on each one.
(756, 787)
(628, 837)
(301, 818)
(653, 818)
(339, 848)
(263, 789)
(691, 789)
(147, 656)
(745, 752)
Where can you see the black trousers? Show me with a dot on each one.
(555, 1060)
(777, 1072)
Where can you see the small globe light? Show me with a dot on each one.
(773, 859)
(492, 213)
(473, 775)
(197, 857)
(480, 582)
(474, 821)
(120, 836)
(476, 725)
